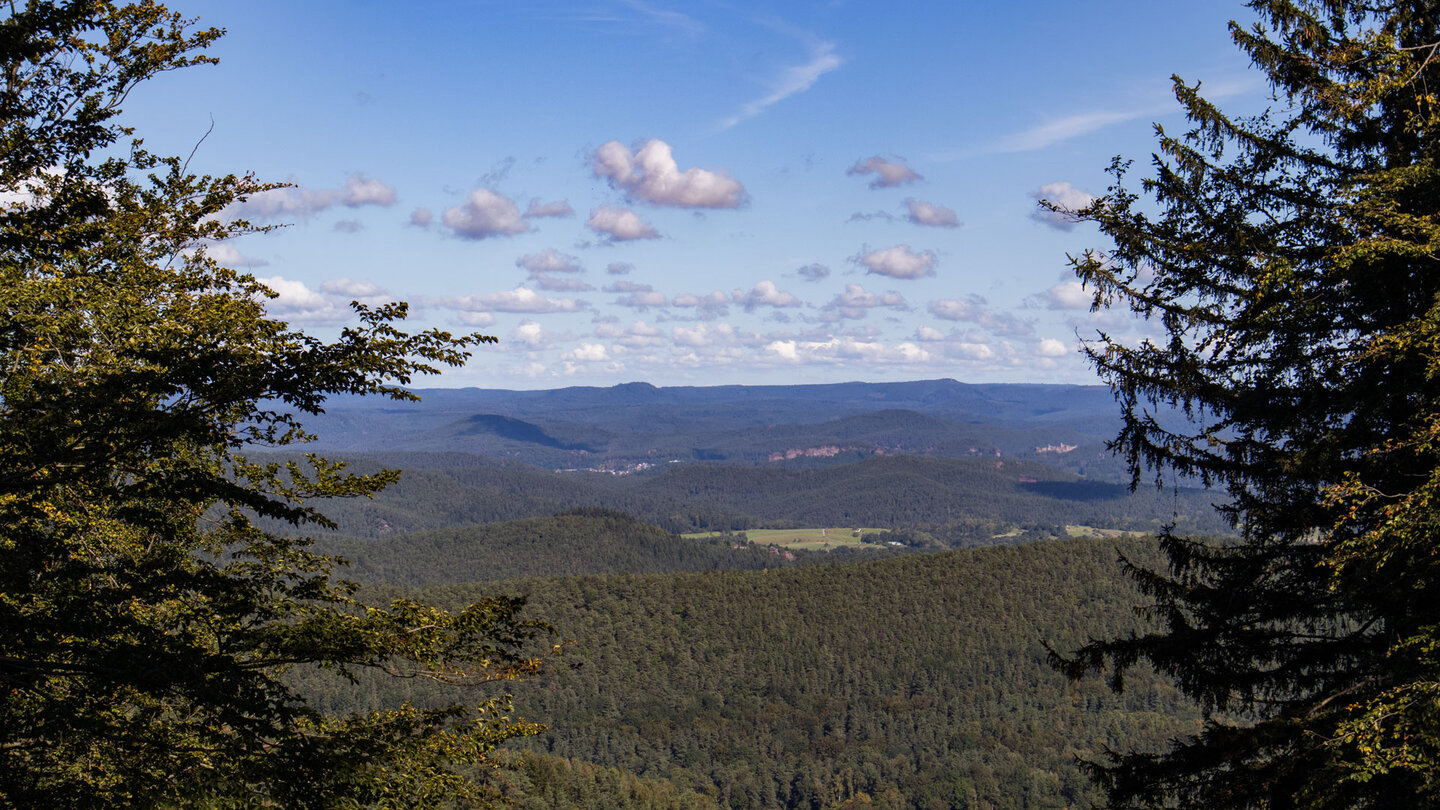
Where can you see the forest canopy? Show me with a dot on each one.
(146, 621)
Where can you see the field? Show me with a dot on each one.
(802, 539)
(1091, 531)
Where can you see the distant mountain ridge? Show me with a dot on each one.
(639, 426)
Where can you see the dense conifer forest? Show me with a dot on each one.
(917, 681)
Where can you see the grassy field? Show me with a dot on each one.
(1091, 531)
(802, 539)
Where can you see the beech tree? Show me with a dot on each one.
(1290, 262)
(146, 620)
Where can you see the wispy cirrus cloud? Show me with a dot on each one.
(792, 80)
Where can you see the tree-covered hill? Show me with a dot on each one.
(583, 541)
(890, 491)
(913, 682)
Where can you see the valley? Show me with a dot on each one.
(862, 620)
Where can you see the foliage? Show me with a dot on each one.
(145, 620)
(912, 682)
(1290, 261)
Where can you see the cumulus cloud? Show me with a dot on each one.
(550, 283)
(973, 310)
(888, 173)
(763, 294)
(1050, 347)
(620, 224)
(480, 319)
(844, 349)
(296, 302)
(1068, 295)
(856, 302)
(281, 203)
(520, 299)
(587, 353)
(642, 299)
(537, 209)
(484, 214)
(352, 288)
(652, 175)
(898, 262)
(302, 203)
(928, 334)
(531, 335)
(1066, 197)
(349, 226)
(956, 309)
(710, 305)
(421, 217)
(924, 213)
(361, 190)
(814, 272)
(227, 255)
(549, 260)
(795, 79)
(627, 287)
(619, 268)
(703, 334)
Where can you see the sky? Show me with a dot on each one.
(694, 193)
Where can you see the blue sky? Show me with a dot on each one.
(693, 193)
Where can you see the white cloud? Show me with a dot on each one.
(620, 224)
(484, 214)
(361, 190)
(280, 203)
(627, 287)
(795, 79)
(928, 334)
(549, 260)
(1068, 295)
(353, 289)
(856, 302)
(954, 309)
(1050, 347)
(537, 209)
(587, 353)
(295, 302)
(301, 203)
(972, 309)
(1064, 195)
(550, 283)
(898, 262)
(710, 305)
(642, 299)
(619, 268)
(924, 213)
(652, 175)
(477, 319)
(843, 350)
(227, 255)
(888, 173)
(703, 334)
(763, 294)
(531, 335)
(520, 299)
(421, 217)
(349, 226)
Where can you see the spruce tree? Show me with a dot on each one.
(1290, 265)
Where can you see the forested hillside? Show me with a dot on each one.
(913, 682)
(446, 490)
(585, 541)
